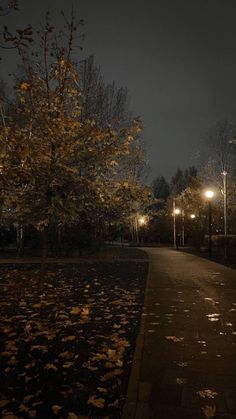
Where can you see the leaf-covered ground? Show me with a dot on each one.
(66, 349)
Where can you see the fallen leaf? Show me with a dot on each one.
(42, 348)
(66, 355)
(97, 402)
(75, 310)
(85, 311)
(72, 415)
(207, 393)
(68, 364)
(50, 367)
(68, 338)
(56, 409)
(111, 374)
(180, 380)
(209, 411)
(102, 389)
(28, 398)
(174, 338)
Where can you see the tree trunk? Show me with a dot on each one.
(20, 239)
(44, 250)
(59, 241)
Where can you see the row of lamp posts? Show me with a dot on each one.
(177, 211)
(209, 194)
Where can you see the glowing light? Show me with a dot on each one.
(209, 194)
(177, 211)
(142, 221)
(192, 216)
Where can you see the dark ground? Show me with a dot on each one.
(66, 349)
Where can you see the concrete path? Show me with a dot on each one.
(185, 360)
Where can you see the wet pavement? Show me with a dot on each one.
(185, 361)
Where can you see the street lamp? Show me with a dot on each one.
(192, 216)
(224, 174)
(176, 211)
(209, 194)
(142, 221)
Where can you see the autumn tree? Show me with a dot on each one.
(58, 167)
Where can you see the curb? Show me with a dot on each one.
(131, 401)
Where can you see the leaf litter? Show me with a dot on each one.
(66, 349)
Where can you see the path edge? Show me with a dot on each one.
(131, 401)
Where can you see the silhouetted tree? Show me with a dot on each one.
(161, 188)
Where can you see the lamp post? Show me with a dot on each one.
(183, 229)
(176, 211)
(209, 194)
(142, 221)
(224, 174)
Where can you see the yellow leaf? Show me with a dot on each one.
(39, 348)
(68, 364)
(24, 86)
(96, 402)
(209, 411)
(28, 398)
(56, 409)
(111, 374)
(102, 389)
(72, 415)
(85, 311)
(75, 310)
(66, 354)
(23, 408)
(50, 367)
(68, 338)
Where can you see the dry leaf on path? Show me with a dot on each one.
(209, 411)
(97, 402)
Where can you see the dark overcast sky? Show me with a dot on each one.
(177, 58)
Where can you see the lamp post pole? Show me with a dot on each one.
(183, 229)
(224, 173)
(210, 229)
(176, 211)
(209, 194)
(174, 226)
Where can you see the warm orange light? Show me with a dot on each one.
(209, 194)
(177, 211)
(142, 221)
(192, 216)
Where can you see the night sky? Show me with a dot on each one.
(176, 57)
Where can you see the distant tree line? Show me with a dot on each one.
(186, 191)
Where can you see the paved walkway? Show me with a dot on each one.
(185, 360)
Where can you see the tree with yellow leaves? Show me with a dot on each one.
(59, 168)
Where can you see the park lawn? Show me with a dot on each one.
(66, 348)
